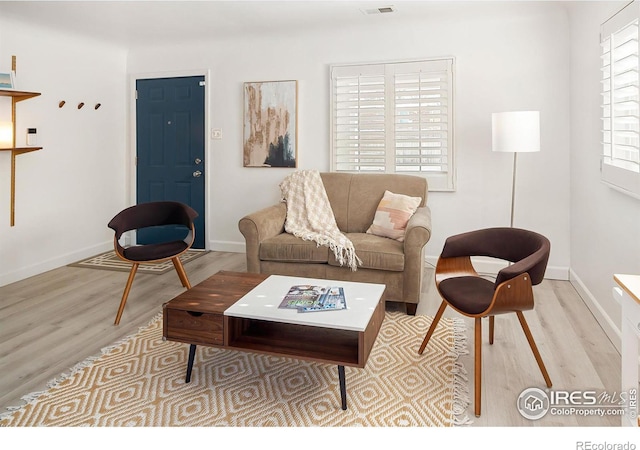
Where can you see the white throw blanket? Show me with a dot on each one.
(309, 215)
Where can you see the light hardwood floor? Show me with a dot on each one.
(52, 321)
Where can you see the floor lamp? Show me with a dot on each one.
(515, 132)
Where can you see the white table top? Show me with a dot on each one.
(262, 303)
(630, 283)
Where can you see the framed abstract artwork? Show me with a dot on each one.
(270, 124)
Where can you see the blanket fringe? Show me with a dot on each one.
(344, 254)
(33, 396)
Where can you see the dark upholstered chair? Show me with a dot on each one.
(144, 216)
(464, 290)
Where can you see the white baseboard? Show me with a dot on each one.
(492, 267)
(227, 246)
(609, 327)
(54, 263)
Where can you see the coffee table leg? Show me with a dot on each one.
(192, 354)
(343, 387)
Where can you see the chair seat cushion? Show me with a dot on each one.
(285, 247)
(471, 295)
(152, 252)
(376, 252)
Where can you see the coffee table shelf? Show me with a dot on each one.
(298, 341)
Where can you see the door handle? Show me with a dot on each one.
(196, 174)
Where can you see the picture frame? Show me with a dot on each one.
(7, 80)
(270, 124)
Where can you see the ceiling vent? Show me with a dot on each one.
(381, 10)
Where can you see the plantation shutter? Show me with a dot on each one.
(620, 159)
(422, 118)
(359, 120)
(394, 118)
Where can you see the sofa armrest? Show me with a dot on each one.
(417, 234)
(257, 227)
(418, 231)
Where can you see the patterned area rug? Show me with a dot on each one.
(140, 382)
(109, 261)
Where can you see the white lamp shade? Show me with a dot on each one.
(516, 131)
(6, 135)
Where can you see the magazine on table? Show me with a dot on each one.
(332, 300)
(309, 298)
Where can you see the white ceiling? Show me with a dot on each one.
(131, 23)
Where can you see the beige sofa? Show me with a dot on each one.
(354, 199)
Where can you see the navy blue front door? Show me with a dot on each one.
(170, 133)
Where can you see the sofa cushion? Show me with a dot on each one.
(375, 252)
(393, 214)
(287, 247)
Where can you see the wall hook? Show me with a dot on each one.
(61, 104)
(80, 105)
(98, 105)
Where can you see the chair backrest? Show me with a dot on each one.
(527, 250)
(152, 214)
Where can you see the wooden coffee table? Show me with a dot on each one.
(239, 311)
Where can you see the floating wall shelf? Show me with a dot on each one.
(16, 96)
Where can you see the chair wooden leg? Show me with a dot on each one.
(433, 326)
(478, 364)
(125, 295)
(492, 320)
(534, 348)
(181, 272)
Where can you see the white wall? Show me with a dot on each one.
(605, 224)
(509, 56)
(68, 191)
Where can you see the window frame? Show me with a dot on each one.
(438, 181)
(613, 172)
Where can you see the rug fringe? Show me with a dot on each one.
(461, 395)
(33, 396)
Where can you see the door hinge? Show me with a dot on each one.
(136, 94)
(202, 83)
(136, 161)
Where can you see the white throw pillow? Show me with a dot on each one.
(393, 214)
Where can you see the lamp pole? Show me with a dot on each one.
(513, 186)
